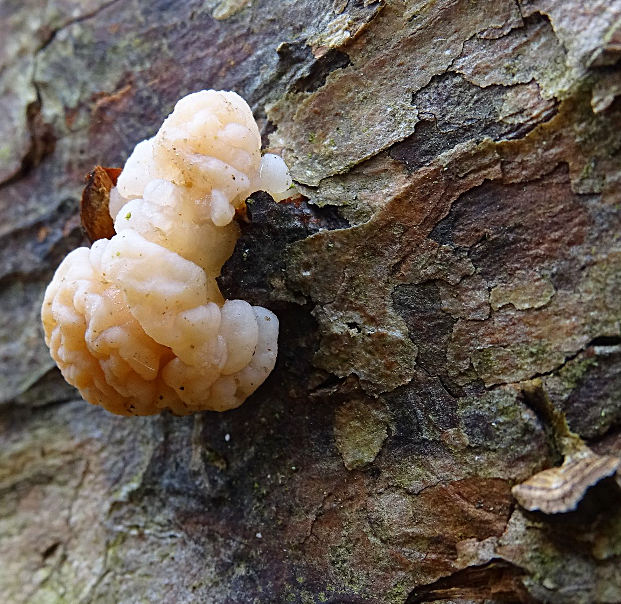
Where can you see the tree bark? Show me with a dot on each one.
(448, 285)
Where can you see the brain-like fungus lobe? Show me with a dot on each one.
(137, 322)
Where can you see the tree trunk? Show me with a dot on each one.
(448, 286)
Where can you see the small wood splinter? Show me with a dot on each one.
(94, 205)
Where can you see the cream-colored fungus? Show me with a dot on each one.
(137, 322)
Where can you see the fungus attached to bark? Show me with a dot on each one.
(137, 322)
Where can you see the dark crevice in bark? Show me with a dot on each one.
(19, 411)
(605, 341)
(536, 399)
(328, 387)
(42, 142)
(49, 551)
(320, 69)
(498, 580)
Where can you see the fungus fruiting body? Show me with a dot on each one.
(137, 322)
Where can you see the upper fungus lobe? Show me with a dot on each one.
(137, 323)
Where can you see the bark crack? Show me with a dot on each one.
(317, 515)
(79, 19)
(498, 580)
(42, 137)
(570, 357)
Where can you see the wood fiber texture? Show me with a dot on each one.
(458, 235)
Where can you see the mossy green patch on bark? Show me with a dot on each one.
(360, 429)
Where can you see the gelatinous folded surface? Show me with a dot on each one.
(137, 323)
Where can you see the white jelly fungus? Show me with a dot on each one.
(137, 322)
